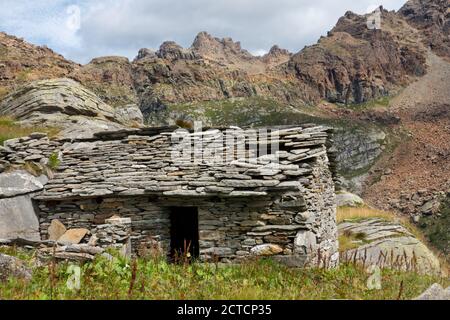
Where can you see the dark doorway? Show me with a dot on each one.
(184, 233)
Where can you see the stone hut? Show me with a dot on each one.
(223, 194)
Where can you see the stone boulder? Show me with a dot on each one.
(19, 183)
(266, 250)
(130, 115)
(13, 267)
(387, 244)
(347, 199)
(18, 218)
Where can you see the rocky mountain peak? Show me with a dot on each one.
(277, 51)
(276, 56)
(173, 51)
(224, 50)
(146, 53)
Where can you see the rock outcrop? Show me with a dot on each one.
(110, 78)
(432, 18)
(347, 199)
(50, 100)
(387, 244)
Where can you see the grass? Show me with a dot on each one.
(10, 129)
(3, 92)
(380, 102)
(349, 240)
(155, 279)
(360, 213)
(365, 212)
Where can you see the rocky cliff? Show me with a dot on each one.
(432, 18)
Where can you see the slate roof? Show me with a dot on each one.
(151, 161)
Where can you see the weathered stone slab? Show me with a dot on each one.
(18, 183)
(249, 183)
(56, 230)
(73, 236)
(266, 249)
(291, 227)
(18, 219)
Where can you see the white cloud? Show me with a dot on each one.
(122, 27)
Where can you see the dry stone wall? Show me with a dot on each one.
(278, 202)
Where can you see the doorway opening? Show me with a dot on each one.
(184, 237)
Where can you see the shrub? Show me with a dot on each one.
(53, 161)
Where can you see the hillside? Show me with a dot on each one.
(352, 64)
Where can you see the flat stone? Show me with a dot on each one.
(277, 228)
(247, 194)
(73, 236)
(217, 251)
(18, 219)
(266, 249)
(295, 185)
(249, 183)
(18, 183)
(56, 230)
(118, 220)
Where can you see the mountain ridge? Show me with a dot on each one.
(352, 64)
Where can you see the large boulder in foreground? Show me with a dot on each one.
(18, 218)
(386, 244)
(13, 267)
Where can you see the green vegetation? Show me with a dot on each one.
(23, 75)
(437, 228)
(3, 50)
(10, 129)
(349, 240)
(262, 279)
(254, 111)
(53, 161)
(380, 102)
(3, 92)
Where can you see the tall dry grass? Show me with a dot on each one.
(10, 129)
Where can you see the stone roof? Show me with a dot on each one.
(159, 161)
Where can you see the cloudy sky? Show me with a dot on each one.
(83, 29)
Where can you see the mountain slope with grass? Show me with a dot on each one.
(149, 278)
